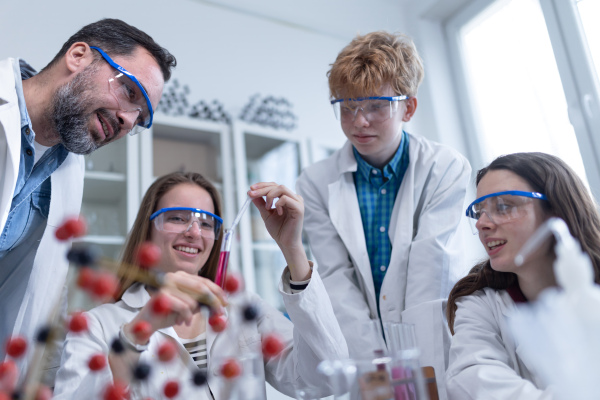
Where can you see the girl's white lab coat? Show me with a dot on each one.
(425, 247)
(313, 337)
(45, 267)
(485, 361)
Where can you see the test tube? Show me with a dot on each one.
(228, 235)
(224, 258)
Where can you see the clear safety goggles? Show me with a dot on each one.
(181, 219)
(374, 109)
(501, 207)
(129, 94)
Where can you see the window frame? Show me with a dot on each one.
(576, 69)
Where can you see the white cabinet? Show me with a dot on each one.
(111, 194)
(187, 144)
(263, 154)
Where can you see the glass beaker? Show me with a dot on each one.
(341, 376)
(407, 376)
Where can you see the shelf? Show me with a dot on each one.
(102, 240)
(105, 176)
(267, 132)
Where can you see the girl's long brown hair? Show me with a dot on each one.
(140, 232)
(568, 199)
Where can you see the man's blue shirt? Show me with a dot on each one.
(376, 190)
(31, 198)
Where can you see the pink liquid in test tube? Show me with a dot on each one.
(226, 246)
(223, 259)
(222, 269)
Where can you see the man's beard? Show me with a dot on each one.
(70, 116)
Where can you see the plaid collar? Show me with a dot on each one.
(394, 168)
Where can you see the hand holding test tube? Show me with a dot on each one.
(283, 219)
(226, 246)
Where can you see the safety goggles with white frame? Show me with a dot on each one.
(501, 207)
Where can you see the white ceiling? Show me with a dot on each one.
(342, 19)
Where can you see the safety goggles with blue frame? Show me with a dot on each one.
(501, 207)
(374, 109)
(181, 219)
(130, 94)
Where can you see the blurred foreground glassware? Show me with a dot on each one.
(307, 394)
(407, 375)
(381, 378)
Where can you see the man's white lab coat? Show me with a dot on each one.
(45, 268)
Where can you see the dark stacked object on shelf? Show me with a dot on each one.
(274, 112)
(269, 111)
(175, 102)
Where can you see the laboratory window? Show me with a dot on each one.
(527, 80)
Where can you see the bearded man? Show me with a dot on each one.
(105, 82)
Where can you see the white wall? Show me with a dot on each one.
(225, 49)
(437, 117)
(231, 49)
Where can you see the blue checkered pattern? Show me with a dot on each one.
(376, 190)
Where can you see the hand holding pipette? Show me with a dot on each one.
(284, 223)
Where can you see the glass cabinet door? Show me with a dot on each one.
(263, 155)
(110, 194)
(187, 144)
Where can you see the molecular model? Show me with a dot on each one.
(99, 279)
(269, 111)
(175, 102)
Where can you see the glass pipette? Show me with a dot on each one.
(226, 246)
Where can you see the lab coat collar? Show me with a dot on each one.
(136, 296)
(7, 85)
(505, 303)
(19, 77)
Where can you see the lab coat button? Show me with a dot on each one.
(384, 297)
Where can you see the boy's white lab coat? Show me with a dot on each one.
(48, 265)
(485, 361)
(315, 336)
(425, 247)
